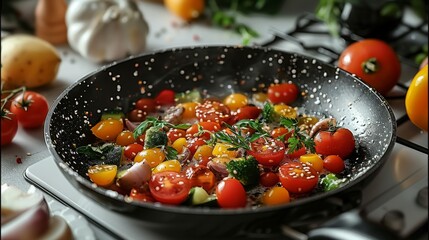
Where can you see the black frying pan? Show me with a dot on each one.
(220, 71)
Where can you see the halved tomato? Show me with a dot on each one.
(169, 187)
(267, 151)
(298, 177)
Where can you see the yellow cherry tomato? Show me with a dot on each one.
(313, 160)
(416, 100)
(152, 156)
(179, 144)
(221, 150)
(125, 138)
(203, 152)
(189, 110)
(170, 165)
(108, 129)
(259, 97)
(102, 175)
(285, 111)
(185, 9)
(275, 196)
(235, 101)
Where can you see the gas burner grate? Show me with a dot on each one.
(407, 41)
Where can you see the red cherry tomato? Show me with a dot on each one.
(247, 112)
(194, 143)
(139, 195)
(137, 115)
(231, 194)
(169, 187)
(165, 97)
(30, 109)
(283, 93)
(374, 61)
(298, 177)
(267, 151)
(131, 150)
(201, 176)
(205, 126)
(341, 142)
(268, 179)
(146, 104)
(333, 163)
(212, 111)
(282, 133)
(173, 134)
(9, 127)
(298, 153)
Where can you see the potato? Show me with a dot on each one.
(27, 61)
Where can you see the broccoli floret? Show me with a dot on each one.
(245, 170)
(330, 182)
(155, 137)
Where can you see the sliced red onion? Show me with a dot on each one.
(135, 176)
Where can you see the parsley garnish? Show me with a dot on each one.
(298, 139)
(268, 114)
(155, 122)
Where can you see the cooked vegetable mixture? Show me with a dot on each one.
(244, 150)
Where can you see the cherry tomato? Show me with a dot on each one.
(298, 153)
(185, 9)
(281, 133)
(416, 100)
(313, 160)
(374, 61)
(269, 179)
(222, 150)
(152, 156)
(179, 144)
(125, 138)
(213, 111)
(170, 165)
(285, 111)
(333, 163)
(275, 196)
(146, 104)
(298, 177)
(165, 97)
(231, 194)
(102, 175)
(340, 142)
(132, 149)
(267, 151)
(137, 115)
(173, 134)
(108, 129)
(283, 93)
(189, 110)
(203, 154)
(201, 176)
(235, 101)
(169, 187)
(142, 196)
(194, 143)
(30, 109)
(9, 127)
(204, 128)
(247, 112)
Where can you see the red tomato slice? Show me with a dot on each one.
(139, 195)
(283, 93)
(231, 194)
(298, 177)
(201, 176)
(169, 187)
(205, 126)
(247, 112)
(165, 97)
(194, 143)
(267, 151)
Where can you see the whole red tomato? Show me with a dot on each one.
(374, 61)
(9, 127)
(339, 141)
(283, 93)
(231, 194)
(30, 108)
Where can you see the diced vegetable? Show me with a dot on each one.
(245, 170)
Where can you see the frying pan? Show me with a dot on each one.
(219, 71)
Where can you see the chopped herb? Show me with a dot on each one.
(268, 114)
(154, 122)
(170, 153)
(298, 139)
(330, 182)
(235, 138)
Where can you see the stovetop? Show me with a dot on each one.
(396, 197)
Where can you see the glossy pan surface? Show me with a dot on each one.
(219, 71)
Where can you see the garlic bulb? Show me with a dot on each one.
(106, 30)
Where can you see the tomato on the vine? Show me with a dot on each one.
(283, 93)
(169, 187)
(339, 141)
(9, 127)
(374, 61)
(267, 151)
(30, 109)
(231, 194)
(298, 177)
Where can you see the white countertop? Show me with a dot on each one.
(166, 31)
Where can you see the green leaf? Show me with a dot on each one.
(268, 113)
(170, 153)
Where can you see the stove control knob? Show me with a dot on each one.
(394, 220)
(422, 197)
